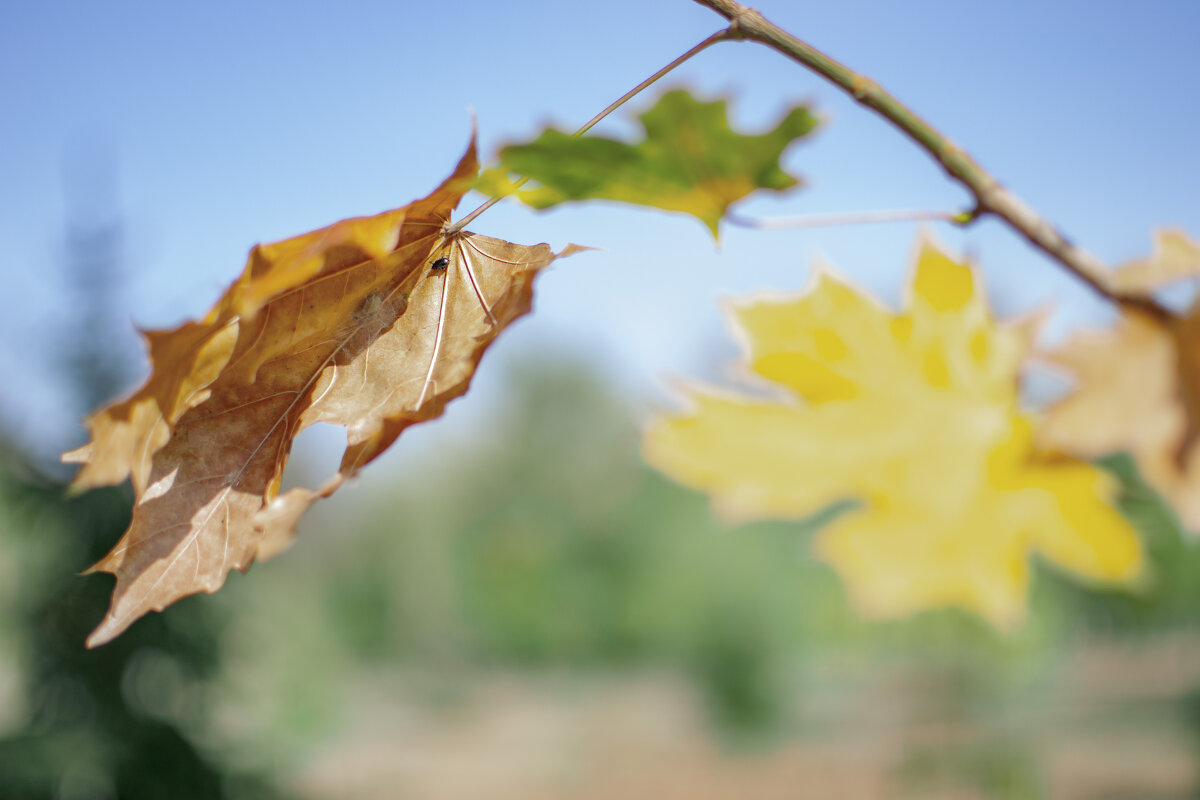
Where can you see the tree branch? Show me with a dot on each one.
(990, 196)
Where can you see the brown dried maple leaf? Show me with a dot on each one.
(1138, 385)
(373, 323)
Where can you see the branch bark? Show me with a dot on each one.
(990, 196)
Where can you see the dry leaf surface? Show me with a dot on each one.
(914, 417)
(1138, 384)
(372, 323)
(1175, 257)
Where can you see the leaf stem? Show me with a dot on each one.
(990, 196)
(719, 36)
(851, 218)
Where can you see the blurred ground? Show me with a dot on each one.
(867, 732)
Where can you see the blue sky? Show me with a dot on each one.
(234, 123)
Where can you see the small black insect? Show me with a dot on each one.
(440, 265)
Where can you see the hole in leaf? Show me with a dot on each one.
(316, 454)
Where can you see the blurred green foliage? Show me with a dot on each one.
(123, 721)
(558, 549)
(117, 722)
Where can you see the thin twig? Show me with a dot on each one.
(850, 218)
(719, 36)
(990, 196)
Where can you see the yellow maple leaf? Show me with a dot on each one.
(914, 417)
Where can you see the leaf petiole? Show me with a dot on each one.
(719, 36)
(851, 218)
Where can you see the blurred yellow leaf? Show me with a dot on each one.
(1138, 391)
(913, 416)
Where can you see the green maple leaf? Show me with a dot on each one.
(690, 161)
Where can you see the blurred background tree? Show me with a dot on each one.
(124, 721)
